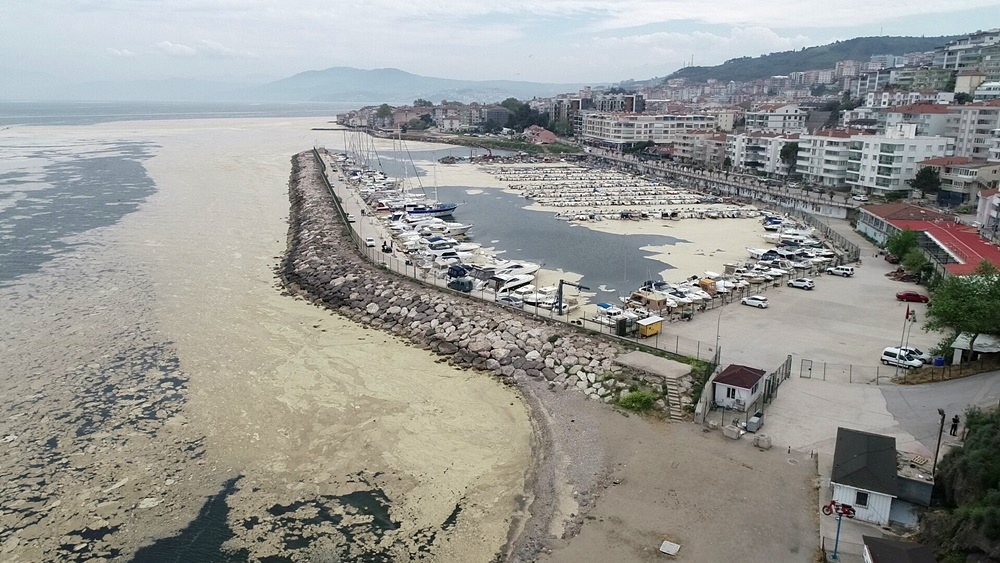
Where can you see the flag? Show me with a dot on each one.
(907, 310)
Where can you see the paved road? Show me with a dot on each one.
(914, 408)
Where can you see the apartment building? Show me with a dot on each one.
(930, 119)
(987, 91)
(776, 118)
(822, 158)
(882, 164)
(965, 53)
(626, 128)
(971, 126)
(962, 177)
(759, 152)
(624, 103)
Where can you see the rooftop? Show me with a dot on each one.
(906, 212)
(920, 108)
(962, 241)
(865, 461)
(885, 550)
(743, 377)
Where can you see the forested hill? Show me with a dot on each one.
(810, 58)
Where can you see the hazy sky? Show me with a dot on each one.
(541, 40)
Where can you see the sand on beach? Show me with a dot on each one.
(299, 405)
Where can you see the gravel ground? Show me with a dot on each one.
(610, 487)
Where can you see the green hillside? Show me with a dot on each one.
(810, 58)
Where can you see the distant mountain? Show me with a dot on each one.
(810, 58)
(390, 85)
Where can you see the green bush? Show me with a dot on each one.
(638, 401)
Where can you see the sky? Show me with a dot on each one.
(566, 41)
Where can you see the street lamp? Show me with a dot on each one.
(938, 448)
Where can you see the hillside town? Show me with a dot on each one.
(864, 127)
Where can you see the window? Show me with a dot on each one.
(753, 390)
(861, 499)
(730, 393)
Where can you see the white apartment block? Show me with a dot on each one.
(893, 98)
(823, 156)
(776, 118)
(627, 128)
(965, 53)
(929, 119)
(758, 152)
(971, 125)
(881, 164)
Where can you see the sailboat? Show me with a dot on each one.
(435, 209)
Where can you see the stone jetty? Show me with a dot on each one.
(323, 265)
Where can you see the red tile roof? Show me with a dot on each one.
(962, 241)
(989, 193)
(839, 133)
(743, 377)
(919, 108)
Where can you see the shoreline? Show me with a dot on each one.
(549, 363)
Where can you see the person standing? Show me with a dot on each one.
(954, 425)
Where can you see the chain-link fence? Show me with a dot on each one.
(868, 374)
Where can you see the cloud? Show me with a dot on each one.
(204, 48)
(218, 50)
(120, 52)
(176, 49)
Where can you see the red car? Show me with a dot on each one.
(912, 296)
(892, 258)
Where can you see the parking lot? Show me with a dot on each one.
(844, 321)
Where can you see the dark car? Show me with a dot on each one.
(912, 296)
(892, 258)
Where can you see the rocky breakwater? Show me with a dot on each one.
(323, 265)
(570, 465)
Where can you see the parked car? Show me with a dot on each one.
(801, 283)
(892, 258)
(859, 197)
(845, 271)
(370, 242)
(758, 301)
(893, 356)
(912, 296)
(510, 301)
(350, 218)
(918, 354)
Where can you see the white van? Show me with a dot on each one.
(893, 356)
(845, 271)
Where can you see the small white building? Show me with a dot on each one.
(738, 387)
(864, 474)
(759, 152)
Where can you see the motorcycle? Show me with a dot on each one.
(834, 507)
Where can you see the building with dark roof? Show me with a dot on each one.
(884, 550)
(738, 387)
(864, 474)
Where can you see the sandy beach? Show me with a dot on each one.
(302, 408)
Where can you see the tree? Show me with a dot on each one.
(915, 262)
(961, 98)
(926, 180)
(967, 304)
(901, 243)
(422, 103)
(561, 127)
(788, 155)
(383, 111)
(830, 193)
(727, 163)
(512, 104)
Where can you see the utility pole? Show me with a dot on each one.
(938, 448)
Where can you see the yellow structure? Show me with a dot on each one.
(650, 326)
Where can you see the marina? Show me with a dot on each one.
(548, 221)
